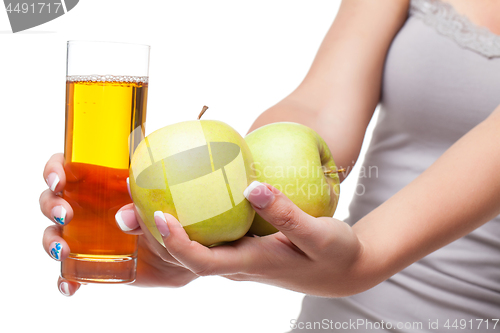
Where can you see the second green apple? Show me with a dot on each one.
(297, 161)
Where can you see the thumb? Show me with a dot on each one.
(275, 207)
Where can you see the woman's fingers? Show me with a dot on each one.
(54, 174)
(55, 208)
(127, 220)
(51, 204)
(54, 244)
(60, 212)
(203, 261)
(67, 288)
(58, 249)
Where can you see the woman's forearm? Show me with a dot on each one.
(454, 196)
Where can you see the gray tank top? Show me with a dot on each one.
(441, 78)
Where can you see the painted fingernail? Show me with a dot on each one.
(258, 194)
(161, 223)
(52, 180)
(55, 250)
(128, 188)
(126, 219)
(64, 288)
(59, 214)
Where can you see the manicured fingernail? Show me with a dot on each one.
(258, 194)
(128, 188)
(126, 219)
(59, 214)
(161, 223)
(55, 250)
(52, 180)
(64, 288)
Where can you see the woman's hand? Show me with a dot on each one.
(152, 270)
(310, 255)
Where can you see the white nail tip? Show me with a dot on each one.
(250, 188)
(54, 183)
(120, 222)
(160, 214)
(64, 288)
(62, 219)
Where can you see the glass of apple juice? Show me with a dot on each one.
(106, 95)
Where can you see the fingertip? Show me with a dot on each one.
(57, 250)
(60, 214)
(64, 288)
(171, 229)
(250, 188)
(260, 195)
(67, 288)
(126, 220)
(55, 208)
(54, 173)
(52, 181)
(54, 244)
(161, 223)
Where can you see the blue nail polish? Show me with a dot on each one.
(59, 214)
(55, 251)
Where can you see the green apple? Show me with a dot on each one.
(296, 160)
(197, 171)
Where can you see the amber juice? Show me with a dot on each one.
(105, 120)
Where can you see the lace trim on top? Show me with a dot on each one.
(445, 19)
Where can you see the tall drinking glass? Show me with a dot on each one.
(106, 94)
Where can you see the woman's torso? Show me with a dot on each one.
(441, 78)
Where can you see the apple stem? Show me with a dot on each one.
(327, 172)
(205, 108)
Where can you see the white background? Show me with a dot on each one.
(237, 57)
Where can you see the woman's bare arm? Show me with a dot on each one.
(326, 257)
(454, 196)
